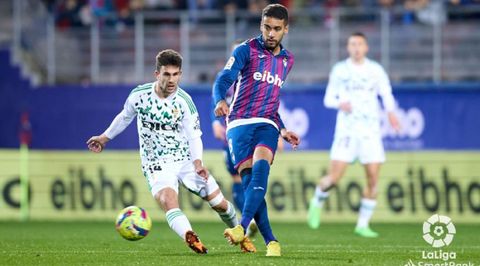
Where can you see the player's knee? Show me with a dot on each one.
(166, 199)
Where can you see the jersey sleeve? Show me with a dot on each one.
(191, 120)
(229, 74)
(334, 86)
(122, 120)
(279, 122)
(385, 90)
(191, 126)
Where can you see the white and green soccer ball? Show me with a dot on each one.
(133, 223)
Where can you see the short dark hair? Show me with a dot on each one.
(277, 11)
(168, 57)
(358, 34)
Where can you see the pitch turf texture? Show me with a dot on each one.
(95, 243)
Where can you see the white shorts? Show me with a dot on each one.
(367, 149)
(183, 172)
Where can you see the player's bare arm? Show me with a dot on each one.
(392, 118)
(221, 109)
(97, 143)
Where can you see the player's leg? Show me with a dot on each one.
(368, 202)
(372, 155)
(239, 194)
(341, 154)
(226, 211)
(336, 171)
(246, 177)
(237, 189)
(164, 188)
(240, 141)
(266, 139)
(209, 191)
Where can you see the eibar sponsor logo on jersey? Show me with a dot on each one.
(266, 76)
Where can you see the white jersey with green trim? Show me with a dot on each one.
(360, 85)
(164, 125)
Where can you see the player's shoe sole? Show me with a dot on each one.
(365, 232)
(194, 243)
(247, 246)
(273, 249)
(314, 213)
(234, 235)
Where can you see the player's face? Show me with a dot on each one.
(168, 78)
(272, 31)
(357, 47)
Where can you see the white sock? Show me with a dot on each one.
(230, 216)
(178, 222)
(320, 196)
(365, 213)
(251, 232)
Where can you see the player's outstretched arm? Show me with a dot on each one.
(97, 143)
(290, 137)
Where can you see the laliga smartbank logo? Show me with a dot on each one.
(438, 231)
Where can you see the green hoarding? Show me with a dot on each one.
(82, 185)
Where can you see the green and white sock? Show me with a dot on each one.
(178, 222)
(230, 216)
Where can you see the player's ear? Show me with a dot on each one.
(155, 74)
(286, 29)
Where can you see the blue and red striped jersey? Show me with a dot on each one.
(261, 75)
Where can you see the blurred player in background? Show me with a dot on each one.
(259, 67)
(170, 147)
(353, 87)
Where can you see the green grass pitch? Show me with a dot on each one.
(97, 243)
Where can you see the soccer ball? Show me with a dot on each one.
(133, 223)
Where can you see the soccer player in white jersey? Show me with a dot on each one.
(353, 88)
(170, 147)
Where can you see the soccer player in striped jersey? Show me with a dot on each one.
(259, 66)
(353, 89)
(170, 146)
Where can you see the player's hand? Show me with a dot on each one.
(97, 143)
(200, 169)
(291, 138)
(221, 109)
(346, 107)
(218, 130)
(392, 118)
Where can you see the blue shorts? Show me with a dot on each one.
(228, 161)
(242, 140)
